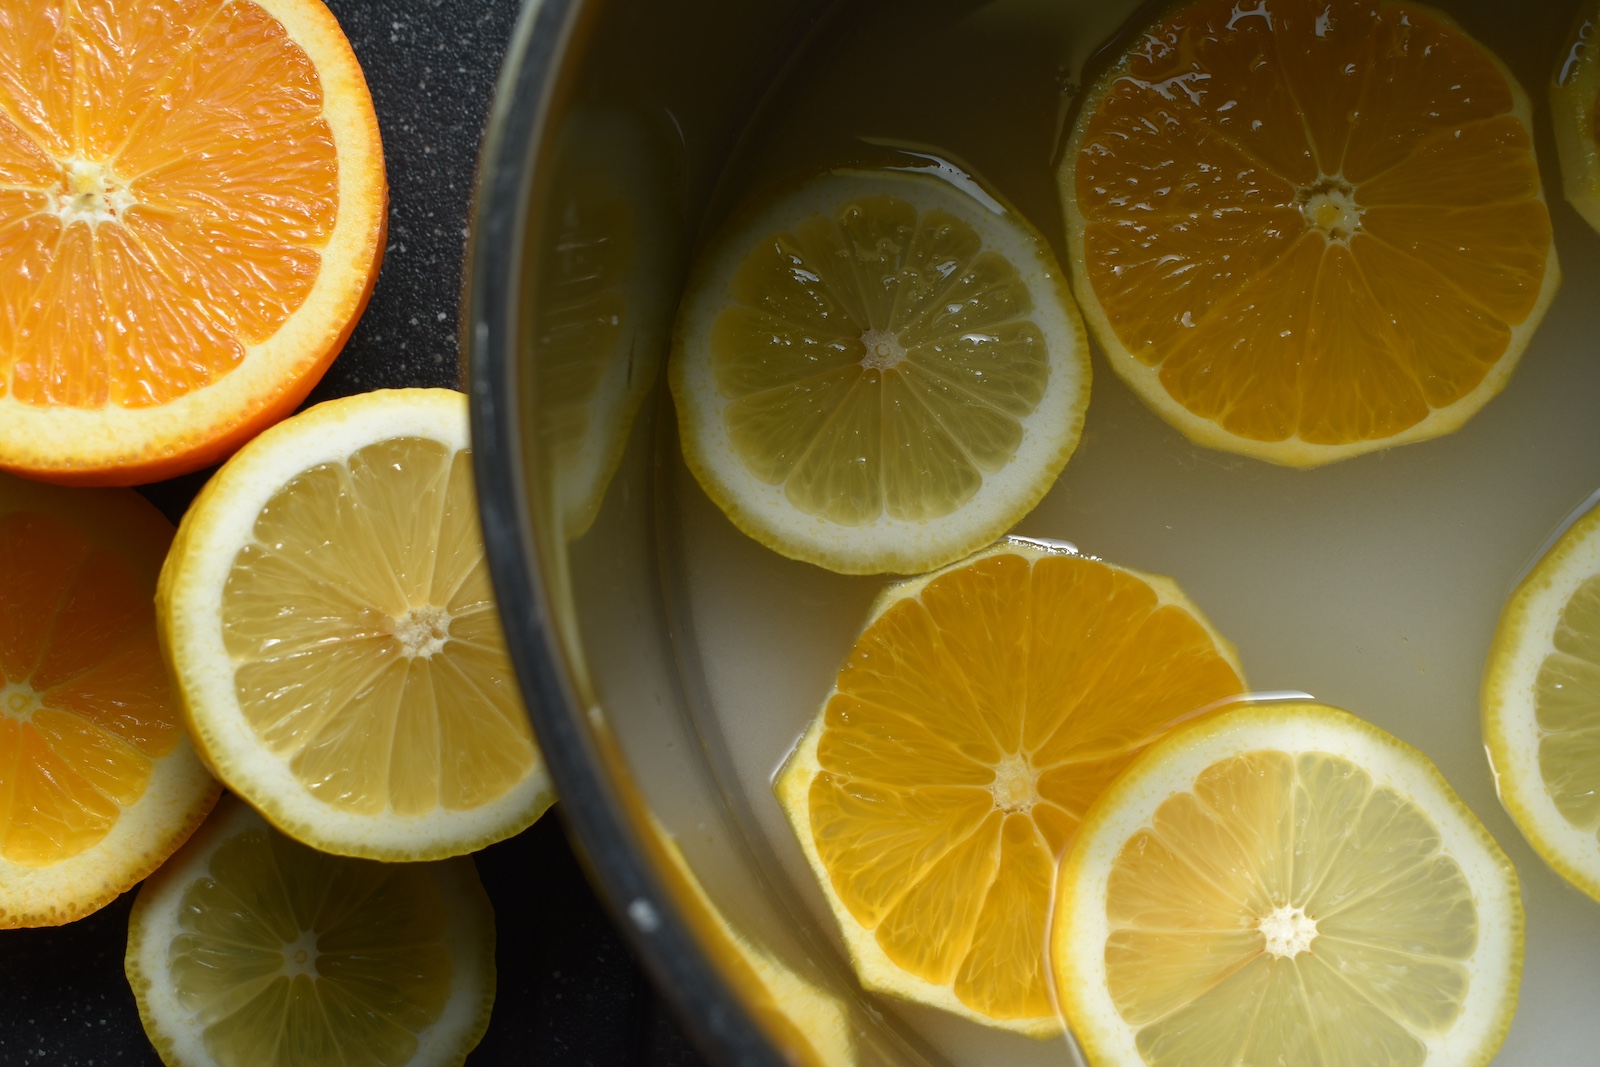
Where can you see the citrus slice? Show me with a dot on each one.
(1575, 110)
(1541, 705)
(879, 371)
(980, 713)
(327, 613)
(1307, 230)
(192, 207)
(251, 950)
(98, 784)
(1286, 884)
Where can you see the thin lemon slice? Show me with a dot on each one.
(1541, 705)
(980, 713)
(880, 371)
(1286, 884)
(252, 950)
(98, 784)
(1307, 230)
(1574, 111)
(327, 613)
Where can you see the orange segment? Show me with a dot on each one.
(191, 216)
(97, 784)
(980, 713)
(1309, 231)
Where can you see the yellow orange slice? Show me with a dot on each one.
(192, 206)
(249, 948)
(980, 713)
(327, 612)
(1286, 884)
(98, 784)
(1306, 230)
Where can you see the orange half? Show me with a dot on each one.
(192, 210)
(98, 784)
(1309, 229)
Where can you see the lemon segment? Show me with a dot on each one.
(252, 949)
(1284, 883)
(979, 714)
(1574, 109)
(879, 372)
(328, 616)
(1541, 705)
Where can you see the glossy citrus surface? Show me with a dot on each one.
(979, 715)
(1306, 230)
(191, 216)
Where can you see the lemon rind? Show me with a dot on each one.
(60, 441)
(189, 605)
(1079, 929)
(1145, 380)
(888, 545)
(176, 1033)
(792, 786)
(1511, 732)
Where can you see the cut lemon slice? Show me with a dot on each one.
(327, 613)
(1541, 705)
(1307, 230)
(1575, 110)
(978, 716)
(192, 211)
(881, 371)
(98, 783)
(251, 950)
(1286, 884)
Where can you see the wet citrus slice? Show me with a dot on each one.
(192, 206)
(1575, 111)
(252, 949)
(98, 784)
(327, 613)
(1284, 883)
(1541, 705)
(879, 371)
(1307, 230)
(980, 713)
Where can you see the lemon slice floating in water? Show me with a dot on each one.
(1285, 883)
(252, 950)
(1541, 705)
(880, 371)
(1574, 109)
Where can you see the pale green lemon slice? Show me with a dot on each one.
(1286, 884)
(879, 371)
(1574, 110)
(251, 950)
(1541, 705)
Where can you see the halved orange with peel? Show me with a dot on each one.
(1309, 229)
(192, 211)
(98, 783)
(980, 713)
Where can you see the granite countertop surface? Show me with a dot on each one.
(569, 990)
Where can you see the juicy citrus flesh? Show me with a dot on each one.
(1567, 708)
(366, 647)
(150, 236)
(973, 724)
(1307, 230)
(883, 333)
(894, 370)
(87, 708)
(1575, 114)
(1286, 884)
(267, 952)
(1328, 928)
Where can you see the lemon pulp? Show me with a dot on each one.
(1567, 709)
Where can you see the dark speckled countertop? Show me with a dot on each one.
(569, 991)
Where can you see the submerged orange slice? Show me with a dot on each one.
(1307, 230)
(98, 784)
(191, 218)
(981, 712)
